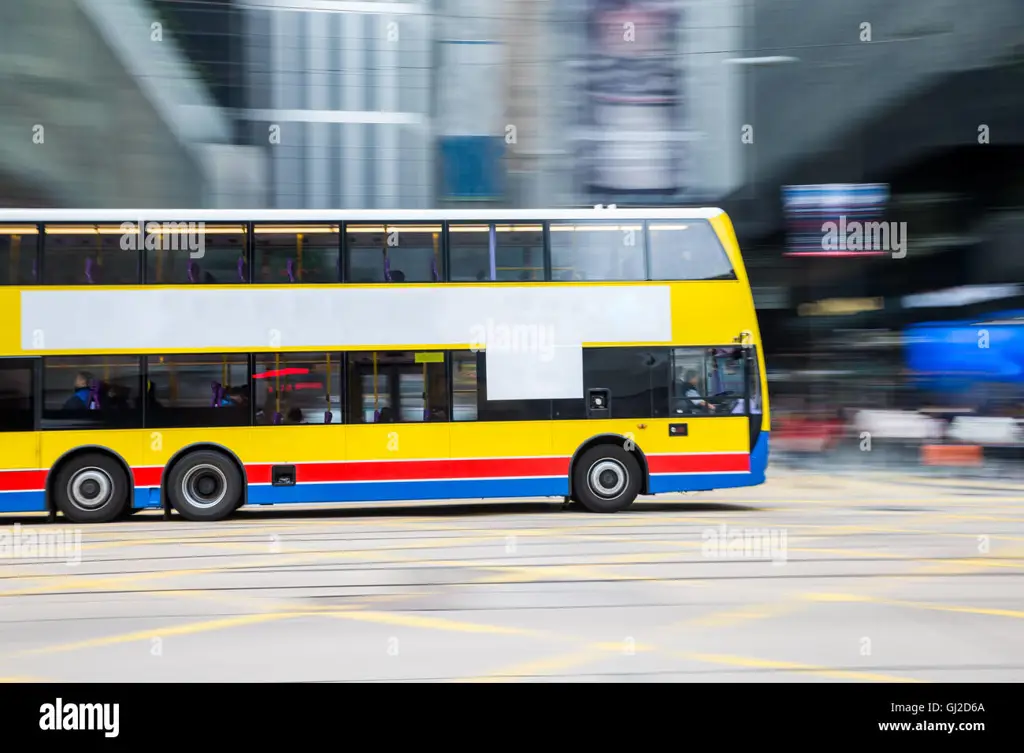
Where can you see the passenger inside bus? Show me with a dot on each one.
(82, 397)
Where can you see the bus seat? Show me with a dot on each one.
(89, 263)
(241, 268)
(193, 272)
(218, 393)
(376, 416)
(277, 419)
(328, 416)
(290, 269)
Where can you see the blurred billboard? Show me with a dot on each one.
(832, 219)
(651, 113)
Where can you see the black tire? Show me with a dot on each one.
(91, 488)
(205, 486)
(606, 479)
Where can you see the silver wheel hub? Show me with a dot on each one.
(607, 478)
(204, 486)
(90, 489)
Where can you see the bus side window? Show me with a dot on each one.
(691, 372)
(296, 254)
(17, 401)
(393, 253)
(18, 254)
(198, 391)
(88, 255)
(97, 392)
(197, 253)
(597, 250)
(505, 253)
(297, 388)
(397, 387)
(687, 250)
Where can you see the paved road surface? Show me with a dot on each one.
(832, 578)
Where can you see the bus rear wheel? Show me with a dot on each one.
(606, 479)
(91, 488)
(204, 486)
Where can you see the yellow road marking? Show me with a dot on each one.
(743, 614)
(21, 680)
(988, 611)
(434, 623)
(748, 662)
(554, 664)
(550, 665)
(835, 597)
(171, 630)
(78, 583)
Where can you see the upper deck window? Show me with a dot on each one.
(597, 250)
(91, 255)
(687, 250)
(394, 253)
(18, 254)
(296, 253)
(506, 253)
(180, 253)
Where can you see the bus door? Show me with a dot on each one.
(709, 399)
(398, 406)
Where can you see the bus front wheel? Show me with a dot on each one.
(606, 479)
(204, 486)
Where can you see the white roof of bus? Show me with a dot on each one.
(348, 215)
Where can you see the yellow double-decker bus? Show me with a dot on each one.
(201, 361)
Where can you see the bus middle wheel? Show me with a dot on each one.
(204, 486)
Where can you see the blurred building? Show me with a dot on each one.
(101, 108)
(340, 94)
(922, 97)
(474, 73)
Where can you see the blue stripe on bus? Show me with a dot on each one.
(701, 482)
(23, 501)
(399, 491)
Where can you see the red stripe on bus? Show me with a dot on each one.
(147, 476)
(699, 463)
(415, 470)
(23, 481)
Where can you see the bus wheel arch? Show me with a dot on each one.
(107, 463)
(618, 451)
(201, 451)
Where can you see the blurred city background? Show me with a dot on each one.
(786, 113)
